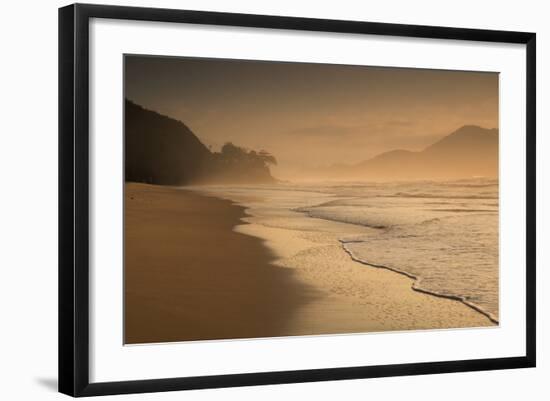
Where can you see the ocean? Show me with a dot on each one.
(444, 235)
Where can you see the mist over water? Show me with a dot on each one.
(443, 233)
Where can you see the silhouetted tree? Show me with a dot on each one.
(267, 157)
(233, 153)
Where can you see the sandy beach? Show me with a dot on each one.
(189, 276)
(201, 267)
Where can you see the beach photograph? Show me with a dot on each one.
(271, 199)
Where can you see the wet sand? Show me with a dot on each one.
(189, 276)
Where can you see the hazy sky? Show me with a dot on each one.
(311, 115)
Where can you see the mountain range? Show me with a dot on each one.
(470, 151)
(162, 150)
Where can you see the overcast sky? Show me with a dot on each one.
(311, 115)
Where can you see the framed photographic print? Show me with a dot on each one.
(249, 199)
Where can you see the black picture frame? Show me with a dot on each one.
(74, 198)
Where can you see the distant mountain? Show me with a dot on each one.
(469, 151)
(164, 151)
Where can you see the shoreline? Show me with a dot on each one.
(210, 263)
(415, 285)
(384, 301)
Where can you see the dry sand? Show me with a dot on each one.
(189, 275)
